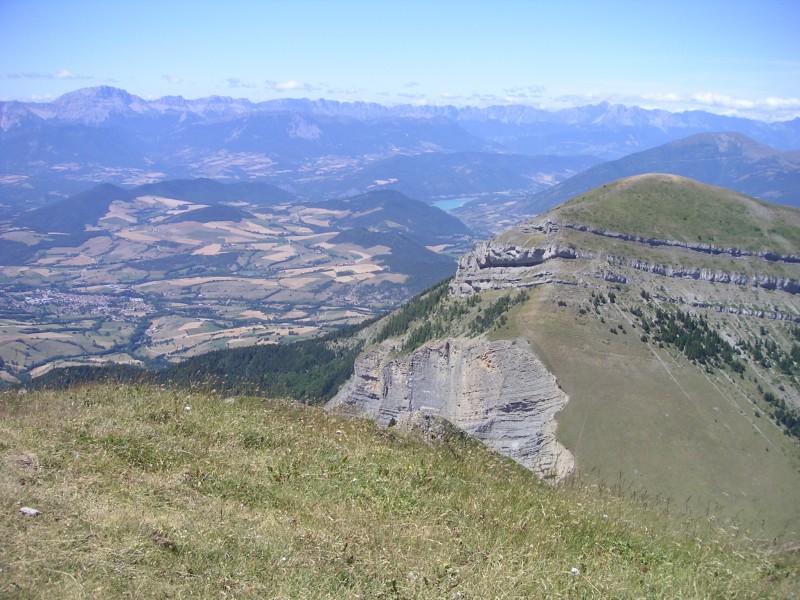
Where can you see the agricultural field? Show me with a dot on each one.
(157, 279)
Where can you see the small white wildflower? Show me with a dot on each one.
(187, 408)
(605, 517)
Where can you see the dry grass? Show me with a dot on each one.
(146, 492)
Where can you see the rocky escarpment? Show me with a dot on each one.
(499, 392)
(496, 265)
(492, 265)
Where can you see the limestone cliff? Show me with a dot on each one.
(498, 392)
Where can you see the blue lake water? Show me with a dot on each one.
(451, 203)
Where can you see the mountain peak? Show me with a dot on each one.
(96, 104)
(103, 94)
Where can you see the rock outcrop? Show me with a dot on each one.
(498, 392)
(493, 265)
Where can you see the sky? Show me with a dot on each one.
(728, 57)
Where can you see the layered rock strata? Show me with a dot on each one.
(498, 392)
(492, 265)
(496, 265)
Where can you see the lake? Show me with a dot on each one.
(452, 203)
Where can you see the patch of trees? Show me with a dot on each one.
(425, 332)
(598, 300)
(788, 417)
(693, 336)
(65, 377)
(137, 337)
(310, 370)
(494, 314)
(15, 253)
(767, 353)
(420, 307)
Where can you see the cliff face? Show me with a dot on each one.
(498, 392)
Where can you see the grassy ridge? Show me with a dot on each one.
(686, 210)
(149, 492)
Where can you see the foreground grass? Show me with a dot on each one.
(147, 492)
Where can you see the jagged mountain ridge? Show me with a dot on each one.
(666, 311)
(311, 146)
(104, 103)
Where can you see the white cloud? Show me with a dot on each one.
(290, 86)
(722, 101)
(782, 103)
(172, 78)
(771, 108)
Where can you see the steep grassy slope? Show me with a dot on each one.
(147, 493)
(647, 417)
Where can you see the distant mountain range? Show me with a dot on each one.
(326, 148)
(522, 129)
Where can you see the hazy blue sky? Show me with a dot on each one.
(731, 57)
